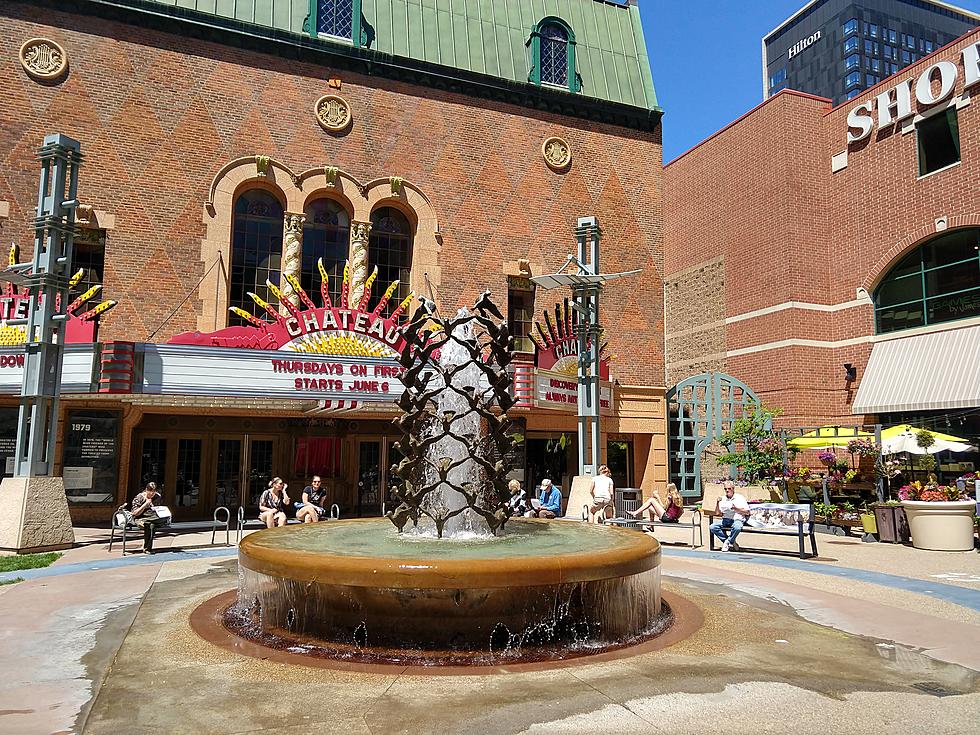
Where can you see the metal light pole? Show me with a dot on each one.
(586, 286)
(33, 496)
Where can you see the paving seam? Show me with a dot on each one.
(950, 593)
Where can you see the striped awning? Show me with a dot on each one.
(940, 370)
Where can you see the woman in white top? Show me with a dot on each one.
(602, 496)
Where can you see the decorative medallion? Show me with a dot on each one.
(557, 153)
(332, 112)
(43, 59)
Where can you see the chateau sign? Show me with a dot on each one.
(556, 346)
(895, 105)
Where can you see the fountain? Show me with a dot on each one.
(449, 576)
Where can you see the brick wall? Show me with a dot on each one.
(761, 197)
(158, 115)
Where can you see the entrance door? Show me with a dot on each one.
(259, 461)
(175, 465)
(370, 476)
(619, 459)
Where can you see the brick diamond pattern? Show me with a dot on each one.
(158, 115)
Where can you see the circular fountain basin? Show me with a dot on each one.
(540, 583)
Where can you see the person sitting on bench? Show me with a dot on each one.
(273, 504)
(654, 510)
(311, 509)
(145, 516)
(549, 504)
(734, 511)
(601, 491)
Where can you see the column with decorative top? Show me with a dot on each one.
(292, 255)
(360, 233)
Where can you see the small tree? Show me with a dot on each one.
(753, 447)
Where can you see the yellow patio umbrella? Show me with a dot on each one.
(829, 436)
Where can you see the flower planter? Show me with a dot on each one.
(893, 524)
(868, 523)
(945, 526)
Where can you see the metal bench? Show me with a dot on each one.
(803, 527)
(256, 523)
(124, 523)
(628, 500)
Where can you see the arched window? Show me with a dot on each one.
(552, 45)
(256, 250)
(937, 282)
(326, 234)
(390, 249)
(334, 17)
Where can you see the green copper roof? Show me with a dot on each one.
(482, 36)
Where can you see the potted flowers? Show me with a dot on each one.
(940, 517)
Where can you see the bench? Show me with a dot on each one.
(628, 500)
(256, 523)
(776, 519)
(123, 523)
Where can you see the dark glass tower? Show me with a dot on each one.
(837, 49)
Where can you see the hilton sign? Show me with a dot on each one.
(895, 104)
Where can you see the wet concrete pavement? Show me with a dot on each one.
(782, 649)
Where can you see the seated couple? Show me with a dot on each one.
(655, 510)
(546, 505)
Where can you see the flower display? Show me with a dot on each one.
(931, 494)
(827, 457)
(864, 448)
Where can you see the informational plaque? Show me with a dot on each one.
(91, 456)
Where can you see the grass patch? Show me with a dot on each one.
(28, 561)
(15, 580)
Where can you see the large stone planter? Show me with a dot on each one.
(941, 526)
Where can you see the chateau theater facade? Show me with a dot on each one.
(835, 267)
(267, 191)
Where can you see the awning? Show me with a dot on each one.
(940, 370)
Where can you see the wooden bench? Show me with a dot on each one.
(123, 523)
(764, 514)
(256, 523)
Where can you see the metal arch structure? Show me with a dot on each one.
(700, 410)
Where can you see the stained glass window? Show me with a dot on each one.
(554, 55)
(390, 249)
(326, 234)
(256, 250)
(335, 18)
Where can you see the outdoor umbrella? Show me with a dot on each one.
(827, 437)
(904, 438)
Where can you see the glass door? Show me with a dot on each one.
(261, 455)
(369, 477)
(228, 473)
(187, 497)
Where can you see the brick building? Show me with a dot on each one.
(827, 257)
(228, 143)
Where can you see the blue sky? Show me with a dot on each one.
(707, 61)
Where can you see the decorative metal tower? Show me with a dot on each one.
(33, 491)
(586, 286)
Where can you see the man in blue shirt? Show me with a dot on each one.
(549, 504)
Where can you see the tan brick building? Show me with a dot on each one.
(218, 138)
(792, 237)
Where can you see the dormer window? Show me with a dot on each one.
(552, 45)
(335, 18)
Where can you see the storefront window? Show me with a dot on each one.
(8, 440)
(938, 282)
(318, 455)
(89, 460)
(256, 250)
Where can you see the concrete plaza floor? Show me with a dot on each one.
(865, 637)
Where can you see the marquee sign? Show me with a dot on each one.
(346, 329)
(81, 325)
(558, 392)
(556, 346)
(895, 104)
